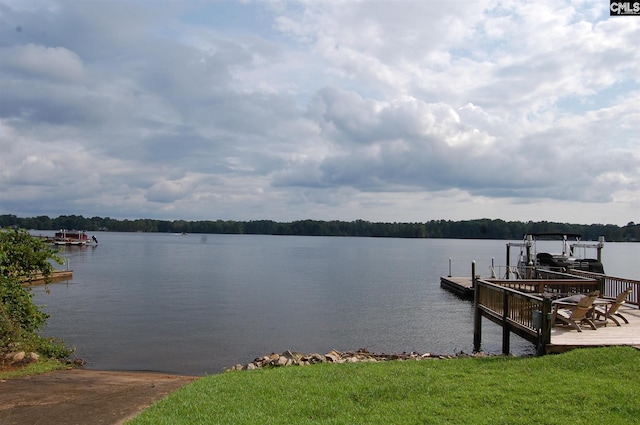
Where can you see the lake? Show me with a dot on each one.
(196, 304)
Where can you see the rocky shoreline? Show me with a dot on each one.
(284, 359)
(289, 358)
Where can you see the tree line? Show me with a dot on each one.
(466, 229)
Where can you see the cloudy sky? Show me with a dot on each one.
(285, 110)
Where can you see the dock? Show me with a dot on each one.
(511, 303)
(56, 276)
(461, 286)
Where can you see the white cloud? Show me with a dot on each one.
(378, 110)
(41, 61)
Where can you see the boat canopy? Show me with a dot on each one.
(560, 234)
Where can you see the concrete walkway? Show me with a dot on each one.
(81, 396)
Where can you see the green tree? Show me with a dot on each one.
(22, 256)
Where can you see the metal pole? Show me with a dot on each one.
(600, 246)
(493, 269)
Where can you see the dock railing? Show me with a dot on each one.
(552, 288)
(611, 286)
(524, 306)
(525, 314)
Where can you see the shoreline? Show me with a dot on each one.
(289, 358)
(116, 396)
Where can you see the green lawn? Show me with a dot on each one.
(41, 366)
(585, 386)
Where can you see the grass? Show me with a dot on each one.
(576, 387)
(41, 366)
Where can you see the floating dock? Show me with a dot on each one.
(461, 286)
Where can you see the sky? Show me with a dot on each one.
(385, 111)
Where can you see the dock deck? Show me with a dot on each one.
(461, 286)
(563, 339)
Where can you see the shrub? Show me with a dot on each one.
(22, 256)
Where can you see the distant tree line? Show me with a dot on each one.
(467, 229)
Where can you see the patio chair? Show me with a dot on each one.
(611, 311)
(575, 314)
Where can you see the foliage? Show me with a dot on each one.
(551, 390)
(21, 257)
(469, 229)
(41, 366)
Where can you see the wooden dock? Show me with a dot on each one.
(564, 339)
(57, 276)
(461, 286)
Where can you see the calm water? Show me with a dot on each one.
(196, 304)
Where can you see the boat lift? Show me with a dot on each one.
(529, 259)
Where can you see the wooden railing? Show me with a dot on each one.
(611, 286)
(524, 314)
(523, 306)
(551, 287)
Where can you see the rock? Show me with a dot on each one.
(18, 357)
(288, 354)
(333, 356)
(315, 358)
(21, 358)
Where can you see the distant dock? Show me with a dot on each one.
(56, 276)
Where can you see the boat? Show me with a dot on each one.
(73, 238)
(572, 255)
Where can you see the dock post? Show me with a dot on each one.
(545, 331)
(506, 329)
(508, 259)
(477, 314)
(450, 267)
(473, 274)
